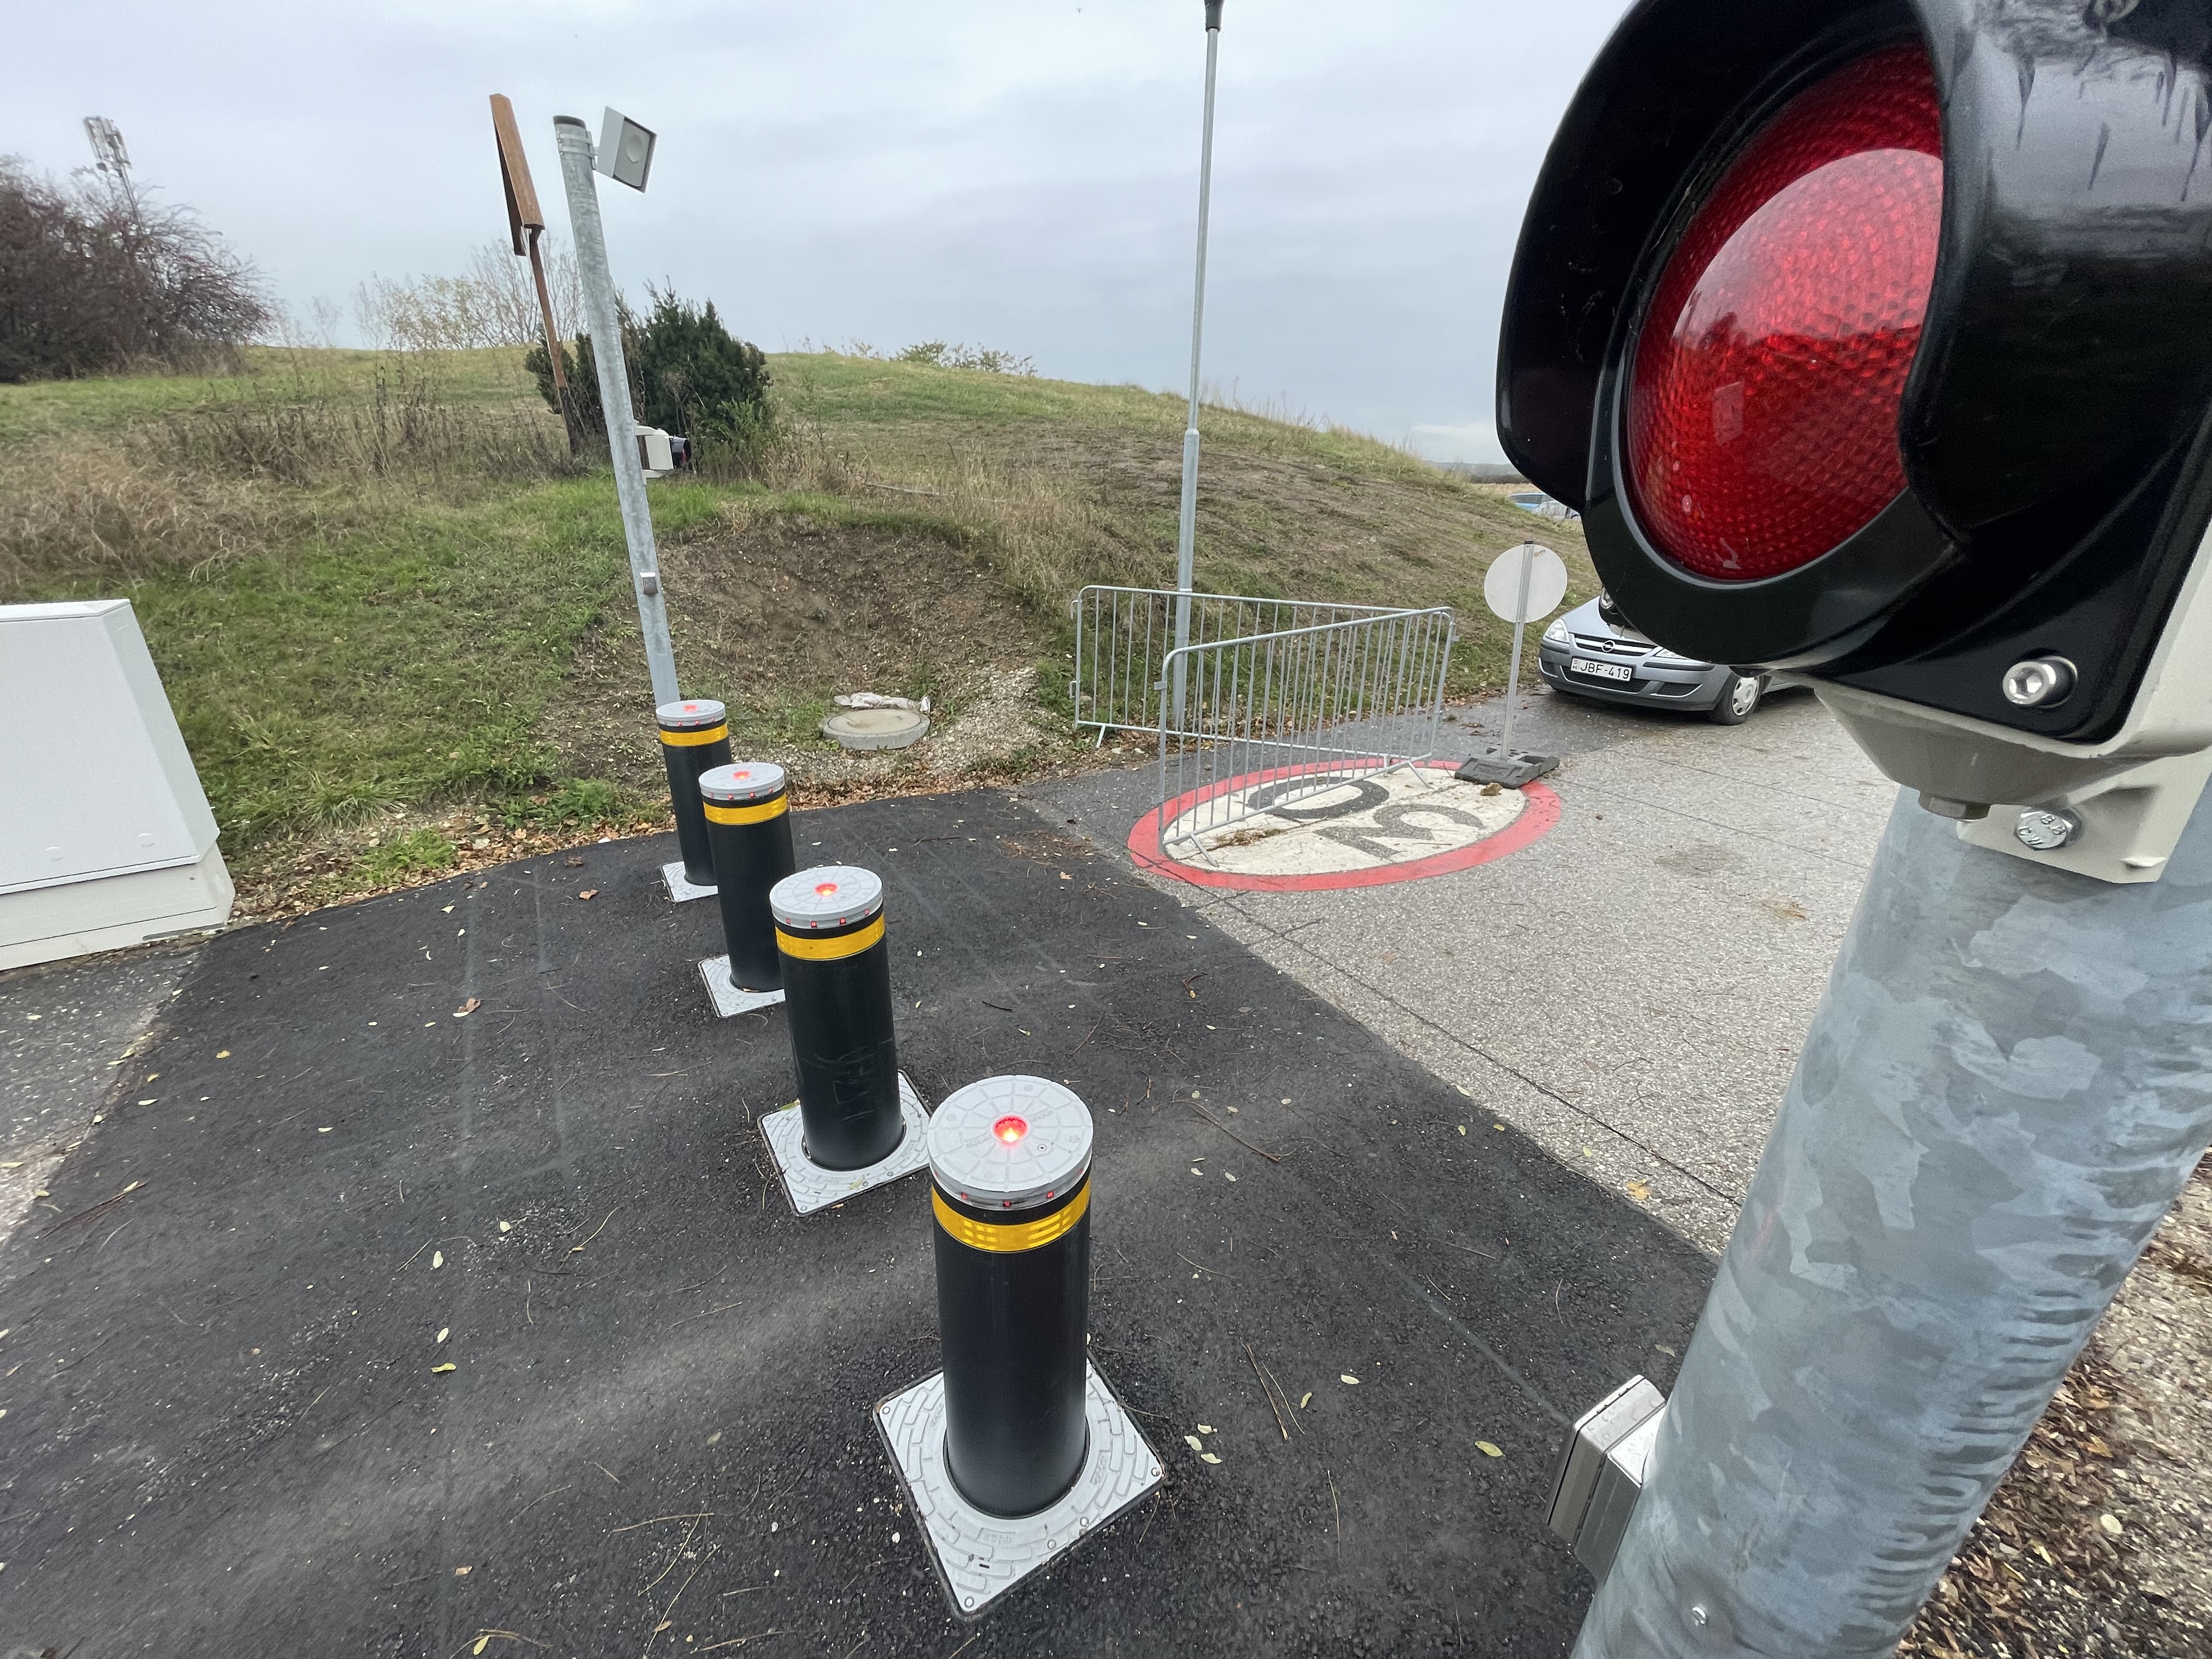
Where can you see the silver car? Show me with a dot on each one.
(1595, 652)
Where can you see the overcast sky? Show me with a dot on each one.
(1023, 176)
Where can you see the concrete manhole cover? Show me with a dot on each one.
(1359, 832)
(876, 728)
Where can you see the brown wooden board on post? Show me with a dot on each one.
(525, 224)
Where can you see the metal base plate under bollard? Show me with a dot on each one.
(680, 889)
(1495, 765)
(729, 997)
(979, 1556)
(811, 1188)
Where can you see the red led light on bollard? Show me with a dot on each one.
(1010, 1129)
(1763, 409)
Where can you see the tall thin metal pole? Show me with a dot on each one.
(2003, 1093)
(599, 309)
(1186, 525)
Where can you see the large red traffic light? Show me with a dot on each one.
(1767, 377)
(1872, 339)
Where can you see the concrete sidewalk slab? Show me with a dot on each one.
(230, 1431)
(65, 1027)
(1631, 989)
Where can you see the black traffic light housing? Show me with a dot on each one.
(2056, 426)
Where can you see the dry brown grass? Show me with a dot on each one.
(247, 471)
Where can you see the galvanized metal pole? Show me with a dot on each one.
(1520, 622)
(1186, 525)
(600, 311)
(2006, 1086)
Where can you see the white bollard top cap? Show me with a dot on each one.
(1010, 1142)
(828, 895)
(690, 713)
(742, 781)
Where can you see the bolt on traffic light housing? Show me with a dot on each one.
(1874, 344)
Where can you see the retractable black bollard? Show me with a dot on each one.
(837, 991)
(695, 738)
(747, 807)
(1010, 1166)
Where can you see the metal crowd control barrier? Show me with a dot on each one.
(1281, 698)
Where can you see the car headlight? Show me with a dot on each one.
(1557, 633)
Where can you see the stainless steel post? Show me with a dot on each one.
(2006, 1086)
(1513, 673)
(599, 309)
(1187, 524)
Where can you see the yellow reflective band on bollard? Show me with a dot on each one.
(760, 812)
(829, 950)
(1010, 1235)
(693, 740)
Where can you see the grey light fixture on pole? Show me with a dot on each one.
(1186, 525)
(632, 157)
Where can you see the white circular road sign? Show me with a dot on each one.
(1545, 573)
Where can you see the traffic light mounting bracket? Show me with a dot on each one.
(2116, 807)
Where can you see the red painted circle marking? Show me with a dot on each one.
(1535, 820)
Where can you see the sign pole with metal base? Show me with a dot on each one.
(1017, 1450)
(1524, 583)
(2001, 1097)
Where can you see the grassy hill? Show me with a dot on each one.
(394, 617)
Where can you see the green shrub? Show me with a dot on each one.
(687, 374)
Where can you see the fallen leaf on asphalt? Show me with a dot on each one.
(589, 892)
(1348, 1377)
(436, 1370)
(1193, 1442)
(1205, 1428)
(1227, 1176)
(468, 1008)
(483, 1642)
(1640, 1191)
(17, 1164)
(223, 1053)
(1464, 1090)
(1208, 1457)
(1307, 1400)
(444, 1331)
(502, 1226)
(463, 1572)
(325, 1130)
(1487, 1450)
(437, 1258)
(1490, 788)
(1064, 876)
(449, 909)
(2111, 1523)
(1462, 1128)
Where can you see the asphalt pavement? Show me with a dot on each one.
(423, 1290)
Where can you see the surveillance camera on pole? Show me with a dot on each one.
(1873, 340)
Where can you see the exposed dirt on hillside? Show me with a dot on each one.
(777, 614)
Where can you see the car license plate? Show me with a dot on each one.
(1601, 671)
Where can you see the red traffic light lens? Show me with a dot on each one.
(1762, 402)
